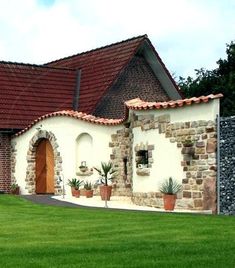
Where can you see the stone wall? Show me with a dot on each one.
(121, 144)
(197, 142)
(227, 164)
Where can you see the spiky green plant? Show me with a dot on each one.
(74, 182)
(87, 185)
(106, 171)
(170, 186)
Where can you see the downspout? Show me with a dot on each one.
(218, 162)
(77, 91)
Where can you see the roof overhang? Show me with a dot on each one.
(160, 70)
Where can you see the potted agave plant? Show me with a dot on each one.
(75, 184)
(15, 189)
(106, 172)
(170, 188)
(88, 189)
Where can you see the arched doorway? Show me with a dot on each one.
(44, 168)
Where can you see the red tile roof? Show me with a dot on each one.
(138, 104)
(76, 115)
(135, 104)
(100, 68)
(29, 91)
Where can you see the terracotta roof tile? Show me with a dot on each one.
(100, 68)
(29, 91)
(77, 115)
(138, 104)
(134, 104)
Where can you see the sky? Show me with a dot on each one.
(187, 34)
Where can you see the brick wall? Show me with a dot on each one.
(5, 162)
(137, 80)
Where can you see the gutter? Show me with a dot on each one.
(77, 91)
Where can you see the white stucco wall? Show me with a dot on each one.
(202, 111)
(66, 131)
(95, 148)
(166, 156)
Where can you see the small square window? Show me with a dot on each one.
(142, 158)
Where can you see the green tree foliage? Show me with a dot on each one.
(220, 80)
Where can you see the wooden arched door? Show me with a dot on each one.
(44, 168)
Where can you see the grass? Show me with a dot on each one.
(34, 235)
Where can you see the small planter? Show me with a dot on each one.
(89, 193)
(105, 192)
(169, 189)
(75, 184)
(169, 201)
(75, 192)
(83, 192)
(15, 191)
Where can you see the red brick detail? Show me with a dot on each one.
(137, 80)
(5, 162)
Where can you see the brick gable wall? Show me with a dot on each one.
(5, 162)
(137, 80)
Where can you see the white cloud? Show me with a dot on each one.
(188, 34)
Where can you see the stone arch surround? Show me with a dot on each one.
(31, 161)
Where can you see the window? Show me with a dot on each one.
(142, 159)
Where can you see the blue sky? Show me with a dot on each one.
(46, 3)
(188, 34)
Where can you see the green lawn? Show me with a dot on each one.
(43, 236)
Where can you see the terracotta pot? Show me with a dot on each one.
(105, 191)
(169, 201)
(89, 193)
(83, 192)
(75, 192)
(15, 191)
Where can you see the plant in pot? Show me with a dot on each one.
(15, 189)
(106, 172)
(170, 188)
(75, 184)
(88, 189)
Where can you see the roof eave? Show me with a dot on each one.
(160, 70)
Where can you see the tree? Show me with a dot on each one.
(219, 80)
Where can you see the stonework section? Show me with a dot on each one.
(31, 160)
(121, 145)
(227, 164)
(144, 171)
(197, 142)
(5, 163)
(137, 80)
